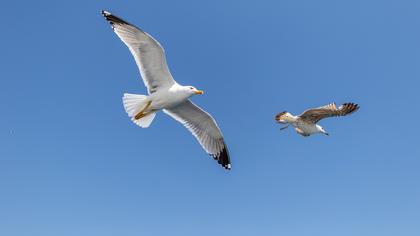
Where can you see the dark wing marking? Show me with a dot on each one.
(148, 53)
(316, 114)
(204, 128)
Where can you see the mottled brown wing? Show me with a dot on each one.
(316, 114)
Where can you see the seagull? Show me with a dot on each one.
(306, 123)
(164, 93)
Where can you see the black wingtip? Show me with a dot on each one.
(112, 19)
(352, 107)
(223, 159)
(106, 14)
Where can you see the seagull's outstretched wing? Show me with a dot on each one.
(316, 114)
(148, 53)
(204, 128)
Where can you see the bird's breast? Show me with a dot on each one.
(306, 127)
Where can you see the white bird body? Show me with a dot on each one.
(164, 92)
(303, 127)
(170, 97)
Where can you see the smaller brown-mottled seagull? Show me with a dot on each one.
(306, 123)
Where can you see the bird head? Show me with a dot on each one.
(283, 117)
(322, 130)
(191, 90)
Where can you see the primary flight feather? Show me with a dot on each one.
(164, 92)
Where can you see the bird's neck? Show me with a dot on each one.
(290, 118)
(181, 91)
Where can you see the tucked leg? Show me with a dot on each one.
(143, 112)
(285, 127)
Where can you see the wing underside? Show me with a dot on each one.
(204, 128)
(147, 52)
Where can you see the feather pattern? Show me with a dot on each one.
(314, 115)
(148, 53)
(204, 128)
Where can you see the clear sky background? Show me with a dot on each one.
(72, 163)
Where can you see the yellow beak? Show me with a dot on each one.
(199, 92)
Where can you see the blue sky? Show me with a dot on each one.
(72, 163)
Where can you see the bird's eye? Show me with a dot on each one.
(191, 87)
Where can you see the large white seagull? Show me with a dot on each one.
(164, 92)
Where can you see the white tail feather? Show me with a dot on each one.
(144, 122)
(133, 104)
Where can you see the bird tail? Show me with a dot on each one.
(135, 103)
